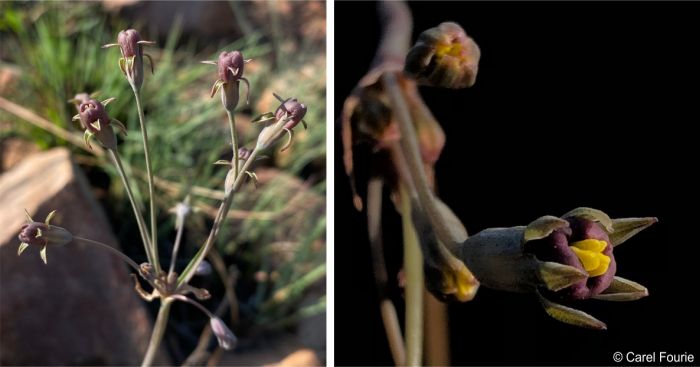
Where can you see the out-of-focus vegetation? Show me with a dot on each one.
(275, 242)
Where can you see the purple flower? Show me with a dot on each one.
(567, 259)
(42, 235)
(94, 119)
(131, 63)
(294, 110)
(230, 66)
(584, 245)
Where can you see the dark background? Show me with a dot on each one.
(576, 104)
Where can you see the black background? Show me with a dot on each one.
(576, 104)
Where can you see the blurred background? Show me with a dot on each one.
(575, 104)
(267, 275)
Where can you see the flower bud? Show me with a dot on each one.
(40, 234)
(133, 54)
(294, 110)
(568, 258)
(444, 56)
(224, 335)
(131, 64)
(96, 122)
(230, 66)
(43, 235)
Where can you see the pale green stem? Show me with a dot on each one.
(221, 216)
(388, 311)
(413, 267)
(158, 331)
(234, 142)
(151, 192)
(179, 297)
(176, 246)
(110, 249)
(411, 150)
(137, 213)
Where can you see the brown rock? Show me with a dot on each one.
(13, 150)
(80, 308)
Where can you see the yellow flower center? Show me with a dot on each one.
(452, 49)
(590, 253)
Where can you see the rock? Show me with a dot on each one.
(13, 151)
(81, 307)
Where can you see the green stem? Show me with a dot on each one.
(158, 332)
(413, 266)
(221, 216)
(234, 142)
(388, 311)
(137, 213)
(110, 249)
(152, 199)
(176, 246)
(411, 150)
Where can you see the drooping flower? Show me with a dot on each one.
(131, 63)
(444, 56)
(42, 234)
(561, 259)
(230, 71)
(224, 335)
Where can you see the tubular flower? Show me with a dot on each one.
(230, 71)
(444, 56)
(42, 234)
(94, 119)
(131, 63)
(287, 116)
(564, 259)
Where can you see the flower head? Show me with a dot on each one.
(292, 109)
(94, 119)
(566, 259)
(224, 335)
(230, 66)
(131, 63)
(286, 117)
(583, 244)
(43, 235)
(444, 56)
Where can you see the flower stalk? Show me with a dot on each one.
(413, 266)
(151, 192)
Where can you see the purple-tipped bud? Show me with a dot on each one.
(96, 122)
(295, 110)
(128, 43)
(92, 111)
(230, 66)
(40, 234)
(224, 335)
